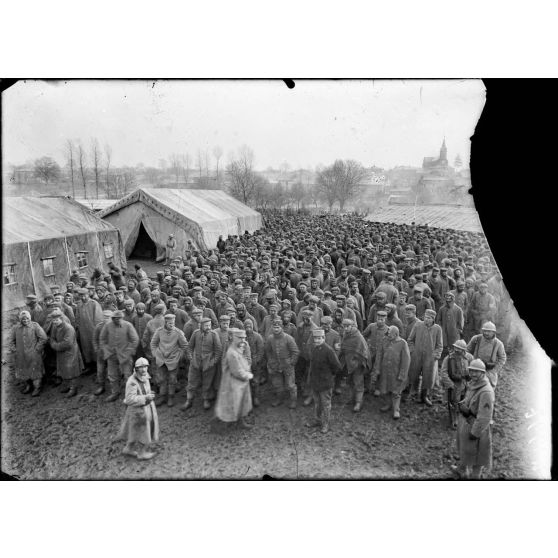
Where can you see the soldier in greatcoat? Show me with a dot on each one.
(88, 314)
(392, 368)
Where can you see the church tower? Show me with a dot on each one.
(444, 152)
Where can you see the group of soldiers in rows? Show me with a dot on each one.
(397, 311)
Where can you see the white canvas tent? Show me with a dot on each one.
(147, 216)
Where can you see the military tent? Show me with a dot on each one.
(43, 239)
(148, 216)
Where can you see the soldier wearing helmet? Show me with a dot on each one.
(474, 430)
(453, 376)
(488, 348)
(140, 425)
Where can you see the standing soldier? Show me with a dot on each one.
(333, 339)
(392, 366)
(234, 401)
(168, 344)
(27, 340)
(119, 342)
(474, 430)
(62, 339)
(303, 340)
(482, 308)
(355, 355)
(488, 348)
(453, 375)
(140, 321)
(282, 353)
(140, 424)
(205, 353)
(170, 247)
(256, 345)
(425, 345)
(324, 367)
(88, 314)
(374, 335)
(450, 319)
(101, 360)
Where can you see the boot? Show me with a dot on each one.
(292, 403)
(188, 404)
(100, 390)
(386, 406)
(425, 398)
(206, 404)
(129, 451)
(325, 428)
(243, 424)
(308, 401)
(255, 398)
(144, 455)
(27, 387)
(65, 388)
(358, 403)
(114, 392)
(396, 407)
(71, 392)
(170, 398)
(36, 388)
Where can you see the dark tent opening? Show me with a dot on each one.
(145, 248)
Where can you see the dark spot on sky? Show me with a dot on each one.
(289, 83)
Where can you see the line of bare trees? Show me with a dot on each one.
(95, 165)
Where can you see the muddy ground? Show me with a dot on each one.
(51, 437)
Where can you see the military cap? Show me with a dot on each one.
(277, 321)
(123, 289)
(31, 297)
(326, 320)
(346, 321)
(430, 312)
(274, 306)
(171, 299)
(307, 312)
(82, 291)
(238, 332)
(169, 316)
(418, 289)
(449, 295)
(197, 310)
(477, 364)
(205, 320)
(248, 321)
(410, 307)
(102, 284)
(318, 332)
(460, 344)
(56, 313)
(117, 314)
(381, 313)
(107, 313)
(314, 298)
(340, 296)
(224, 318)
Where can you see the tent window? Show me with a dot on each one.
(107, 247)
(48, 267)
(9, 274)
(81, 259)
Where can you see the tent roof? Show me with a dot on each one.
(198, 206)
(26, 219)
(461, 218)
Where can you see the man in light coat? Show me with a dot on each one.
(425, 346)
(450, 319)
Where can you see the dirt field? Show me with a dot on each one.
(51, 437)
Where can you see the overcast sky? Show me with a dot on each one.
(383, 123)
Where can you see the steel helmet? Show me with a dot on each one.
(488, 326)
(460, 344)
(477, 364)
(141, 362)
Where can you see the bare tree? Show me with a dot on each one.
(297, 193)
(200, 162)
(349, 174)
(206, 160)
(82, 161)
(175, 165)
(327, 186)
(96, 163)
(46, 169)
(243, 179)
(152, 175)
(71, 163)
(108, 158)
(217, 153)
(186, 167)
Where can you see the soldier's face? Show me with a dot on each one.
(25, 320)
(276, 329)
(428, 320)
(141, 371)
(380, 320)
(319, 340)
(57, 321)
(129, 307)
(205, 327)
(488, 334)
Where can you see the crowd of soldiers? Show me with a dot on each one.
(315, 305)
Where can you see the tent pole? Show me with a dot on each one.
(68, 258)
(31, 266)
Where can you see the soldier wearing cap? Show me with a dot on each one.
(374, 335)
(180, 316)
(269, 319)
(257, 352)
(379, 304)
(393, 318)
(303, 340)
(482, 308)
(140, 425)
(282, 353)
(170, 247)
(421, 304)
(118, 341)
(490, 350)
(129, 311)
(450, 319)
(88, 314)
(101, 360)
(35, 310)
(234, 400)
(205, 354)
(355, 356)
(474, 430)
(193, 323)
(27, 340)
(425, 345)
(324, 368)
(168, 345)
(453, 376)
(62, 339)
(392, 368)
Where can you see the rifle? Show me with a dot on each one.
(450, 407)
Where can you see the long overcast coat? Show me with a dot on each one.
(88, 315)
(69, 363)
(28, 342)
(392, 364)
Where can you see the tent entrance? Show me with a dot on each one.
(145, 248)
